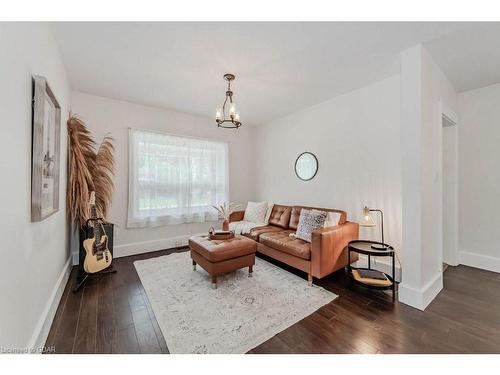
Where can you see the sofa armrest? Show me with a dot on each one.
(237, 216)
(328, 248)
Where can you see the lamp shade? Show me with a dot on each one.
(367, 219)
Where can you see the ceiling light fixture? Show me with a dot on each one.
(231, 120)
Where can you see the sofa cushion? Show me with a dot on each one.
(281, 240)
(280, 216)
(295, 215)
(309, 221)
(255, 233)
(255, 212)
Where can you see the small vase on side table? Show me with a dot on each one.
(225, 225)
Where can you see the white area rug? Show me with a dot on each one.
(236, 317)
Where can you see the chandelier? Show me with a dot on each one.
(228, 118)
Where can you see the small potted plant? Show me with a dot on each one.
(225, 210)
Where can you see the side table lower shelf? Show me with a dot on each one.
(383, 284)
(377, 280)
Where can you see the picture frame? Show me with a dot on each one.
(45, 162)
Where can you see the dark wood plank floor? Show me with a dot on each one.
(112, 314)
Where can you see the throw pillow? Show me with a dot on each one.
(255, 212)
(268, 213)
(309, 221)
(332, 218)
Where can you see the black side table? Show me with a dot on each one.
(365, 247)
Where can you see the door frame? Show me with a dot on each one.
(447, 113)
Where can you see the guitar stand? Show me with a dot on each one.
(83, 276)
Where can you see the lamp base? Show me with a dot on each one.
(380, 247)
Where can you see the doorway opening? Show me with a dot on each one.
(450, 191)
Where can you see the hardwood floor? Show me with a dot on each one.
(112, 315)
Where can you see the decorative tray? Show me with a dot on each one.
(220, 235)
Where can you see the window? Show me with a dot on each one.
(174, 180)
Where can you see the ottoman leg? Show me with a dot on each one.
(250, 271)
(214, 282)
(194, 265)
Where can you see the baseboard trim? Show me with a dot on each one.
(380, 264)
(476, 260)
(76, 258)
(42, 329)
(421, 298)
(146, 246)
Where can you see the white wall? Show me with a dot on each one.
(479, 176)
(425, 94)
(35, 256)
(356, 140)
(103, 115)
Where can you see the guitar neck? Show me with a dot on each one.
(97, 232)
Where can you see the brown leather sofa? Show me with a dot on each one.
(325, 254)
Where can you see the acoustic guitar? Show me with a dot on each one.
(98, 256)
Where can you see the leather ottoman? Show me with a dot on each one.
(222, 256)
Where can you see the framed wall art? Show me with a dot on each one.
(46, 135)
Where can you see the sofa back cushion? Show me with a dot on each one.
(280, 216)
(295, 216)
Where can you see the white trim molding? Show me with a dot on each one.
(476, 260)
(146, 246)
(76, 258)
(446, 110)
(42, 328)
(421, 298)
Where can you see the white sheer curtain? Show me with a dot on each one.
(174, 180)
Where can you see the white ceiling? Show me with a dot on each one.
(471, 58)
(280, 67)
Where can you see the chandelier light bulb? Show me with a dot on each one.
(232, 109)
(218, 114)
(237, 117)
